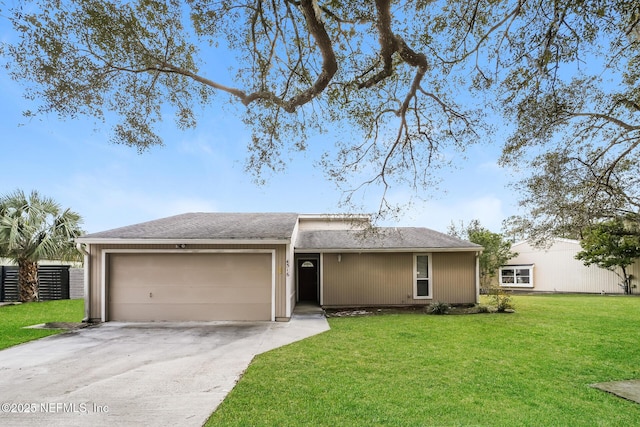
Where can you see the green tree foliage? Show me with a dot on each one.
(611, 245)
(33, 228)
(497, 251)
(399, 85)
(565, 195)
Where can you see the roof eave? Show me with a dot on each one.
(364, 217)
(117, 241)
(356, 250)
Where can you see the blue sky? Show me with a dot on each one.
(203, 170)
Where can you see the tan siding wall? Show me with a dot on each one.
(95, 274)
(95, 278)
(454, 277)
(387, 279)
(290, 279)
(368, 279)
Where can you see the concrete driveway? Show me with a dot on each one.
(160, 374)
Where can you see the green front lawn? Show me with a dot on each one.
(533, 367)
(13, 318)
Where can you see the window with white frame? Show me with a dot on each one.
(516, 276)
(422, 283)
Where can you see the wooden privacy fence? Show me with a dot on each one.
(53, 281)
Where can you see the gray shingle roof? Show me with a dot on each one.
(278, 226)
(207, 226)
(381, 238)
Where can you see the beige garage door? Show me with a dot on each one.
(189, 286)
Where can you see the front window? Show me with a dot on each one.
(422, 280)
(516, 276)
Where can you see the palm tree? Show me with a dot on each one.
(34, 228)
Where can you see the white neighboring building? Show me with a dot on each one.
(555, 269)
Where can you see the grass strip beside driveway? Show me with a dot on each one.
(533, 367)
(13, 319)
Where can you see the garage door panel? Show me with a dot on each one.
(167, 269)
(187, 283)
(190, 286)
(189, 312)
(181, 294)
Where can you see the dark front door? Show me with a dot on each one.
(308, 280)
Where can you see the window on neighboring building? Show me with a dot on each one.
(422, 280)
(516, 276)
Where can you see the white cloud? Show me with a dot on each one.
(199, 145)
(105, 203)
(438, 215)
(188, 204)
(492, 167)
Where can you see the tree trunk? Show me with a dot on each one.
(627, 281)
(27, 280)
